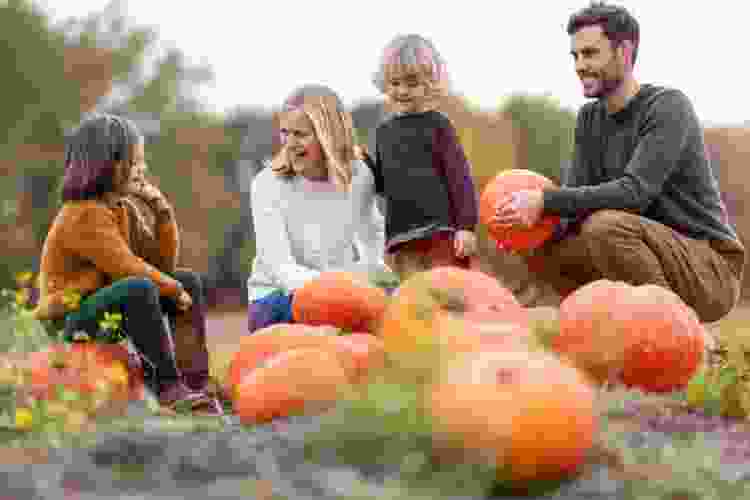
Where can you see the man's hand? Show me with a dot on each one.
(522, 208)
(465, 244)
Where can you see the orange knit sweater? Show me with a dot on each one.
(87, 248)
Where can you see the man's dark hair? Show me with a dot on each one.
(617, 24)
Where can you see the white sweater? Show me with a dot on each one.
(304, 227)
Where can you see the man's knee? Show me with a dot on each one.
(604, 222)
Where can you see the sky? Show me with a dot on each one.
(260, 50)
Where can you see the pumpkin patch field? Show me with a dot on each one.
(450, 382)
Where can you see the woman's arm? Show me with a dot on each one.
(95, 236)
(271, 240)
(370, 235)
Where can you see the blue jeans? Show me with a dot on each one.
(272, 309)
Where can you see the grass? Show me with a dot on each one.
(389, 427)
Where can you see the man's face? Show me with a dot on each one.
(598, 65)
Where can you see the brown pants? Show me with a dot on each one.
(621, 246)
(421, 255)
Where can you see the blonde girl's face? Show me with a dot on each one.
(407, 90)
(302, 145)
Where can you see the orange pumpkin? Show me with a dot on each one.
(670, 344)
(531, 415)
(642, 336)
(292, 382)
(84, 368)
(255, 350)
(366, 351)
(341, 299)
(506, 183)
(427, 304)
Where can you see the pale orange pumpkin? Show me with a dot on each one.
(643, 336)
(428, 303)
(531, 415)
(338, 298)
(292, 382)
(506, 183)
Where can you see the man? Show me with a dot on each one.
(639, 203)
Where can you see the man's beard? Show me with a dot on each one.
(608, 86)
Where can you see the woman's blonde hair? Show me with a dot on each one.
(334, 130)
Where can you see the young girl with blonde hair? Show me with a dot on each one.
(314, 209)
(419, 165)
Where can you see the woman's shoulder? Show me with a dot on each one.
(268, 179)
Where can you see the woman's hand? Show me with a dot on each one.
(184, 301)
(465, 244)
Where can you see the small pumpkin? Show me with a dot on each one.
(255, 350)
(292, 382)
(97, 372)
(506, 183)
(342, 299)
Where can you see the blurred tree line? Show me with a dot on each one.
(203, 161)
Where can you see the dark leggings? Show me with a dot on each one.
(139, 301)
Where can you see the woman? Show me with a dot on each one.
(87, 251)
(314, 209)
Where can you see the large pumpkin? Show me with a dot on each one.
(642, 336)
(423, 312)
(293, 382)
(342, 299)
(506, 183)
(531, 415)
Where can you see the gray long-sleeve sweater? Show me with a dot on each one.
(648, 158)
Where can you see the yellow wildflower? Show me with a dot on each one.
(24, 418)
(23, 296)
(24, 278)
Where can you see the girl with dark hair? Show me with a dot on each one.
(88, 251)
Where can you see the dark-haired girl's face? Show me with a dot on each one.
(127, 173)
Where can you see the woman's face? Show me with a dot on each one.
(302, 145)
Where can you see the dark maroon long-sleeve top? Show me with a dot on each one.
(422, 172)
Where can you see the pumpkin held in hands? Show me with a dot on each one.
(506, 183)
(342, 299)
(643, 336)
